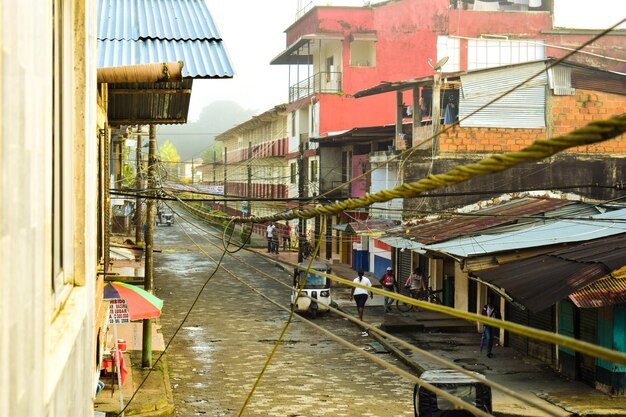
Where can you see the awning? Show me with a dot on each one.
(399, 242)
(541, 281)
(607, 291)
(341, 227)
(297, 54)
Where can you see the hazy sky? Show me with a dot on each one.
(253, 34)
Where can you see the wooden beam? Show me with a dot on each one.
(150, 91)
(156, 121)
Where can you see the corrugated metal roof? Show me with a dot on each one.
(371, 226)
(402, 243)
(151, 31)
(162, 19)
(502, 214)
(604, 292)
(536, 235)
(543, 280)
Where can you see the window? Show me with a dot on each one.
(62, 175)
(314, 168)
(294, 169)
(484, 53)
(363, 53)
(451, 48)
(330, 68)
(293, 123)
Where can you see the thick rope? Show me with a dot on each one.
(595, 132)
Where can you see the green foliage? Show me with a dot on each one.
(128, 169)
(169, 158)
(244, 234)
(212, 153)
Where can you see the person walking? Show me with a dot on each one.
(270, 232)
(414, 282)
(275, 242)
(489, 310)
(286, 237)
(360, 295)
(388, 281)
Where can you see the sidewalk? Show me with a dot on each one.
(154, 399)
(458, 341)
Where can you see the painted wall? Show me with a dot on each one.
(47, 350)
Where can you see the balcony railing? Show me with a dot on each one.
(322, 82)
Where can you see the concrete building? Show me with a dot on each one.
(49, 204)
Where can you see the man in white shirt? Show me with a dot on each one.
(270, 234)
(360, 295)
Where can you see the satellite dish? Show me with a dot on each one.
(441, 63)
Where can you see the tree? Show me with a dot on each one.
(214, 150)
(169, 157)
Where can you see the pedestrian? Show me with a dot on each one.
(275, 243)
(270, 232)
(489, 310)
(360, 295)
(414, 282)
(388, 281)
(286, 237)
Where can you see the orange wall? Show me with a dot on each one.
(568, 113)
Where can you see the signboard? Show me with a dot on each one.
(118, 311)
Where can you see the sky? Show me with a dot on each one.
(253, 32)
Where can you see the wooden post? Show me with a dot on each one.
(146, 346)
(138, 186)
(436, 109)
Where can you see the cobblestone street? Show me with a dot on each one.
(226, 340)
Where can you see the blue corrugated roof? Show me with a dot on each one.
(550, 233)
(134, 32)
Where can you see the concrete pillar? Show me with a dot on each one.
(435, 272)
(460, 288)
(481, 300)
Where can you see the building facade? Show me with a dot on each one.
(49, 151)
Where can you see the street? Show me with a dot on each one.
(223, 345)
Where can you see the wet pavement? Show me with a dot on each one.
(222, 347)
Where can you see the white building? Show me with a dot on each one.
(48, 206)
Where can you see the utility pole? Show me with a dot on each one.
(138, 186)
(214, 184)
(225, 184)
(146, 346)
(436, 109)
(249, 193)
(301, 222)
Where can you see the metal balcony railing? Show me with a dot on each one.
(322, 82)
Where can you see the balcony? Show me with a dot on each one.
(322, 82)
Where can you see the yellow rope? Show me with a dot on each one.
(444, 394)
(384, 334)
(583, 347)
(595, 132)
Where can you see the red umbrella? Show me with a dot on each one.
(141, 304)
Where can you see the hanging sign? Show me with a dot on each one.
(118, 311)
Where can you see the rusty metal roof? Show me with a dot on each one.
(433, 231)
(376, 226)
(541, 281)
(604, 292)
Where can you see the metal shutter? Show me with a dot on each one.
(588, 329)
(519, 316)
(544, 320)
(522, 108)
